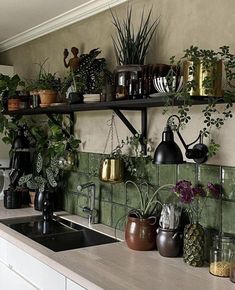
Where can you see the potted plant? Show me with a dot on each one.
(90, 76)
(131, 47)
(202, 69)
(8, 87)
(48, 88)
(42, 179)
(55, 150)
(140, 231)
(193, 198)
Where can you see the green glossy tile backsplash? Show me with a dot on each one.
(114, 200)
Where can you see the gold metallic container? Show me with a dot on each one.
(112, 170)
(200, 75)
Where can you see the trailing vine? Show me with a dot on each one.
(214, 118)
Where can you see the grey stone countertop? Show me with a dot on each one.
(114, 266)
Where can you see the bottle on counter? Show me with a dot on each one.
(220, 256)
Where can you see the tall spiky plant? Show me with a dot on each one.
(132, 46)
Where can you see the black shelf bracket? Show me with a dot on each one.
(143, 136)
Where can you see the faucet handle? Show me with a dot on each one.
(93, 212)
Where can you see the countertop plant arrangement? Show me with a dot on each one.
(193, 199)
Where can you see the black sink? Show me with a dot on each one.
(58, 234)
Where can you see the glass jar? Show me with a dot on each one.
(232, 268)
(220, 256)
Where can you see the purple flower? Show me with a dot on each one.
(186, 196)
(184, 189)
(215, 190)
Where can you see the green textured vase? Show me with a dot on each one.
(193, 250)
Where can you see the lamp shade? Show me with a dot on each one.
(168, 152)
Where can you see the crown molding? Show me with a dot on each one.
(79, 13)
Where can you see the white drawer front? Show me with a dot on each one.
(41, 275)
(3, 251)
(9, 280)
(73, 286)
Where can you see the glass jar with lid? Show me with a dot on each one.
(220, 256)
(232, 268)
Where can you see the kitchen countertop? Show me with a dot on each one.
(114, 266)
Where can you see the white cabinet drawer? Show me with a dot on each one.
(3, 250)
(39, 274)
(73, 286)
(9, 280)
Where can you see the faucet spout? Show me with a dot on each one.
(90, 209)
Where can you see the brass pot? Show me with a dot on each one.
(198, 73)
(112, 170)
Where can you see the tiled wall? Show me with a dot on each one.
(114, 201)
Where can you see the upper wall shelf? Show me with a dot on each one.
(138, 104)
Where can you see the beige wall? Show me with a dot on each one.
(208, 24)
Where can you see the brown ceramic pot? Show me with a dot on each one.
(169, 242)
(140, 234)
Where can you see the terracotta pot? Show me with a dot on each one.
(13, 104)
(32, 198)
(47, 97)
(140, 234)
(169, 242)
(112, 170)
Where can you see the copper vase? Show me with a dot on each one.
(140, 234)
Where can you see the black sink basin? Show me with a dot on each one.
(58, 234)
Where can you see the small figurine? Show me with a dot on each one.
(74, 62)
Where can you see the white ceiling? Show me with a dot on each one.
(24, 20)
(20, 15)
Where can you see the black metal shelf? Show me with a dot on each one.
(137, 104)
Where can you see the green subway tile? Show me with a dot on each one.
(82, 202)
(208, 173)
(228, 182)
(73, 181)
(83, 158)
(105, 191)
(187, 171)
(82, 179)
(119, 193)
(167, 196)
(167, 174)
(133, 198)
(211, 213)
(105, 215)
(153, 173)
(72, 203)
(94, 163)
(118, 216)
(228, 217)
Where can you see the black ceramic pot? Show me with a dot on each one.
(75, 98)
(169, 242)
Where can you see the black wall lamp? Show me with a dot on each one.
(168, 152)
